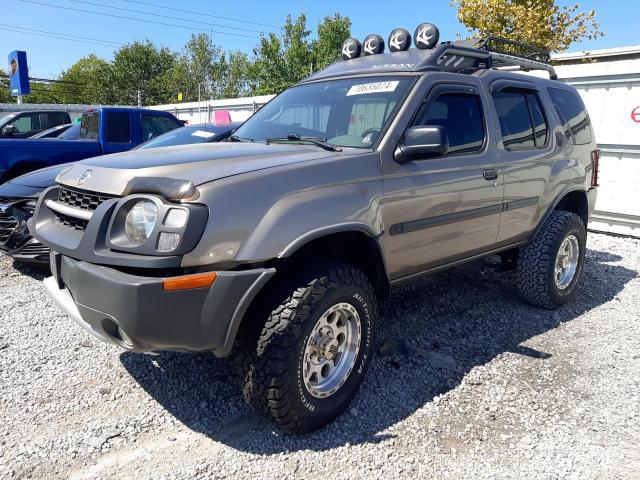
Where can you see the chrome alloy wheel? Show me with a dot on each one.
(331, 350)
(567, 262)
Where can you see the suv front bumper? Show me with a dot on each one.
(135, 313)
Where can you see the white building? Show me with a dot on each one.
(609, 82)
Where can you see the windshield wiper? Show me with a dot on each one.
(235, 138)
(320, 142)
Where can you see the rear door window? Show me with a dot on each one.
(89, 126)
(540, 129)
(118, 127)
(573, 114)
(515, 123)
(522, 121)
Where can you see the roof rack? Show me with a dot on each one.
(467, 57)
(494, 52)
(496, 44)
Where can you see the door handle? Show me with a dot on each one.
(490, 174)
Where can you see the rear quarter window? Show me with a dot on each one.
(89, 126)
(573, 114)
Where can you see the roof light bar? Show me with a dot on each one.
(399, 40)
(373, 44)
(351, 48)
(426, 36)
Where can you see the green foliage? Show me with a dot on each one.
(140, 67)
(543, 23)
(282, 61)
(84, 82)
(156, 74)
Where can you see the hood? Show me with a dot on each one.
(199, 164)
(43, 178)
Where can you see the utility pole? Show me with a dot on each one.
(20, 100)
(139, 98)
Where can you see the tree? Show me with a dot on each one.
(332, 32)
(84, 82)
(542, 23)
(141, 67)
(236, 71)
(280, 62)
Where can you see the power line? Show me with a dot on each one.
(135, 19)
(33, 31)
(165, 16)
(55, 37)
(149, 4)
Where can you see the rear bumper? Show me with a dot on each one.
(135, 313)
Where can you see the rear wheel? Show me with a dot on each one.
(314, 349)
(549, 268)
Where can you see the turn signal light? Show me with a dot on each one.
(189, 282)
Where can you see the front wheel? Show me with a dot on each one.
(549, 268)
(314, 349)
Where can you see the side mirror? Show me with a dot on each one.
(422, 142)
(9, 130)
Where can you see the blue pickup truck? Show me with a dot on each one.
(102, 131)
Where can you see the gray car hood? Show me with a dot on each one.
(196, 163)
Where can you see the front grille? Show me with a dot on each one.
(82, 200)
(28, 209)
(87, 201)
(7, 225)
(71, 222)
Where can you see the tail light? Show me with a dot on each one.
(595, 163)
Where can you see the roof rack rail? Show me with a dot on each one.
(460, 58)
(496, 44)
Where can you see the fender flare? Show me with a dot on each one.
(308, 237)
(553, 206)
(382, 281)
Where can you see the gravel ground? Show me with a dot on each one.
(469, 383)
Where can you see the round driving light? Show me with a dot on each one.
(140, 222)
(399, 40)
(373, 45)
(351, 48)
(426, 36)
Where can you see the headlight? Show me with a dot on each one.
(140, 222)
(149, 225)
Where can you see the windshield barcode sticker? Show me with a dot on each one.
(377, 87)
(202, 134)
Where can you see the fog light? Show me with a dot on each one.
(176, 218)
(168, 242)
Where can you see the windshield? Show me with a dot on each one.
(5, 117)
(187, 135)
(71, 133)
(347, 113)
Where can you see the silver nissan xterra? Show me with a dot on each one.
(275, 246)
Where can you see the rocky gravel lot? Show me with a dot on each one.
(468, 383)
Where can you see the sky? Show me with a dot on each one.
(35, 25)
